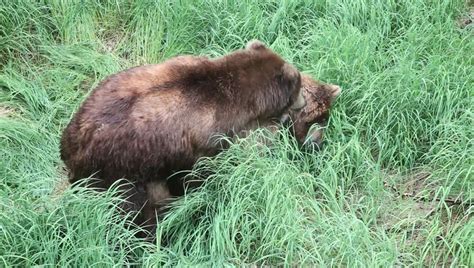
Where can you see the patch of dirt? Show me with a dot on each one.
(61, 185)
(409, 222)
(412, 207)
(6, 111)
(416, 184)
(408, 204)
(111, 41)
(467, 19)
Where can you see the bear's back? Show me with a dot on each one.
(118, 121)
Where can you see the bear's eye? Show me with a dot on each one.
(323, 119)
(279, 78)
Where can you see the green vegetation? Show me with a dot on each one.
(393, 187)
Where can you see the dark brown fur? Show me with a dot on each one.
(146, 123)
(319, 99)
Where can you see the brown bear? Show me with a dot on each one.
(145, 123)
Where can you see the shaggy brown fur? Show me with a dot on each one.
(146, 123)
(319, 98)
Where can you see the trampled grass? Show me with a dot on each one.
(393, 186)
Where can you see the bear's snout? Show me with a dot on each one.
(315, 137)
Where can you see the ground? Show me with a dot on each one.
(392, 187)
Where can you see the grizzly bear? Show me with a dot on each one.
(148, 122)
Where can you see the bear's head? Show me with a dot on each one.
(309, 122)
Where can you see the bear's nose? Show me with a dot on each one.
(314, 139)
(318, 145)
(317, 137)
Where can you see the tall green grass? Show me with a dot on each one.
(393, 186)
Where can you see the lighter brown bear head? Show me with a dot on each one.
(308, 123)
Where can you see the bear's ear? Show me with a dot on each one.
(255, 45)
(335, 92)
